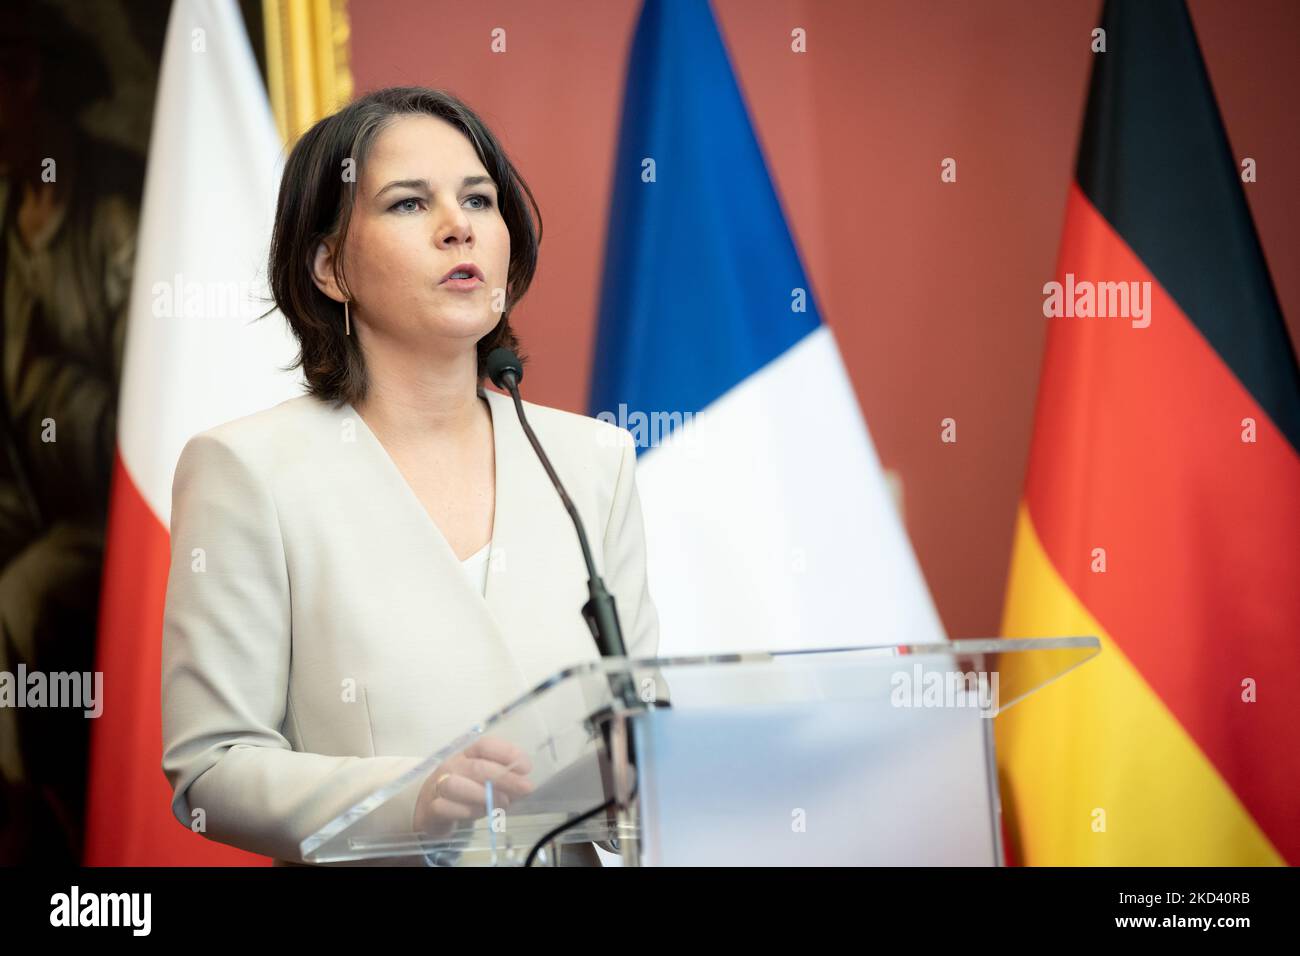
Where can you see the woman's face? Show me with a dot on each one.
(419, 214)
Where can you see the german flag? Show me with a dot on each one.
(1161, 509)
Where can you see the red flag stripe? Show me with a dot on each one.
(129, 821)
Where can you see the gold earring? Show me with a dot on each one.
(347, 320)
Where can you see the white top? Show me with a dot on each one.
(476, 568)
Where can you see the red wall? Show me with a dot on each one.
(933, 290)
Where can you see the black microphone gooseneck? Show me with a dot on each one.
(506, 371)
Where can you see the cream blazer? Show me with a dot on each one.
(303, 565)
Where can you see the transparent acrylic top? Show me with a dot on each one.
(539, 771)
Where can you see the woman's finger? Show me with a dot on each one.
(447, 809)
(504, 779)
(470, 792)
(501, 751)
(462, 789)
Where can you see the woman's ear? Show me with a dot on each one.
(322, 270)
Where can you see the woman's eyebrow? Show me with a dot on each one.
(423, 184)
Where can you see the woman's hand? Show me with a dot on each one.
(455, 790)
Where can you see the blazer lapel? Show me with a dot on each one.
(447, 575)
(535, 583)
(535, 591)
(531, 610)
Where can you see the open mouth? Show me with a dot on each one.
(463, 273)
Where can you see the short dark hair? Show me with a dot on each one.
(313, 205)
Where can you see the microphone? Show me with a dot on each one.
(506, 371)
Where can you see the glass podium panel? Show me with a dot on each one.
(867, 754)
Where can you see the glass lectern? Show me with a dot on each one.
(877, 755)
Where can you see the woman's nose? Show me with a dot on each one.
(454, 226)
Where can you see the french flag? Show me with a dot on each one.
(769, 522)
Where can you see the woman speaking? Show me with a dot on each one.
(360, 573)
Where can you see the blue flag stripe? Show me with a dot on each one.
(703, 284)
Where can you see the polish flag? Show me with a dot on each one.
(196, 355)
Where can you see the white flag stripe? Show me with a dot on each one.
(194, 355)
(769, 523)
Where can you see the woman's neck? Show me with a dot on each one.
(413, 399)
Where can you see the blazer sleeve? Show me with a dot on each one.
(225, 674)
(625, 564)
(625, 558)
(626, 578)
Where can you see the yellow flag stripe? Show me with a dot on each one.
(1095, 769)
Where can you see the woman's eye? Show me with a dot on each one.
(403, 205)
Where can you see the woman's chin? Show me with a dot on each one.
(469, 327)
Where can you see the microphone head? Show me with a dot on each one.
(500, 363)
